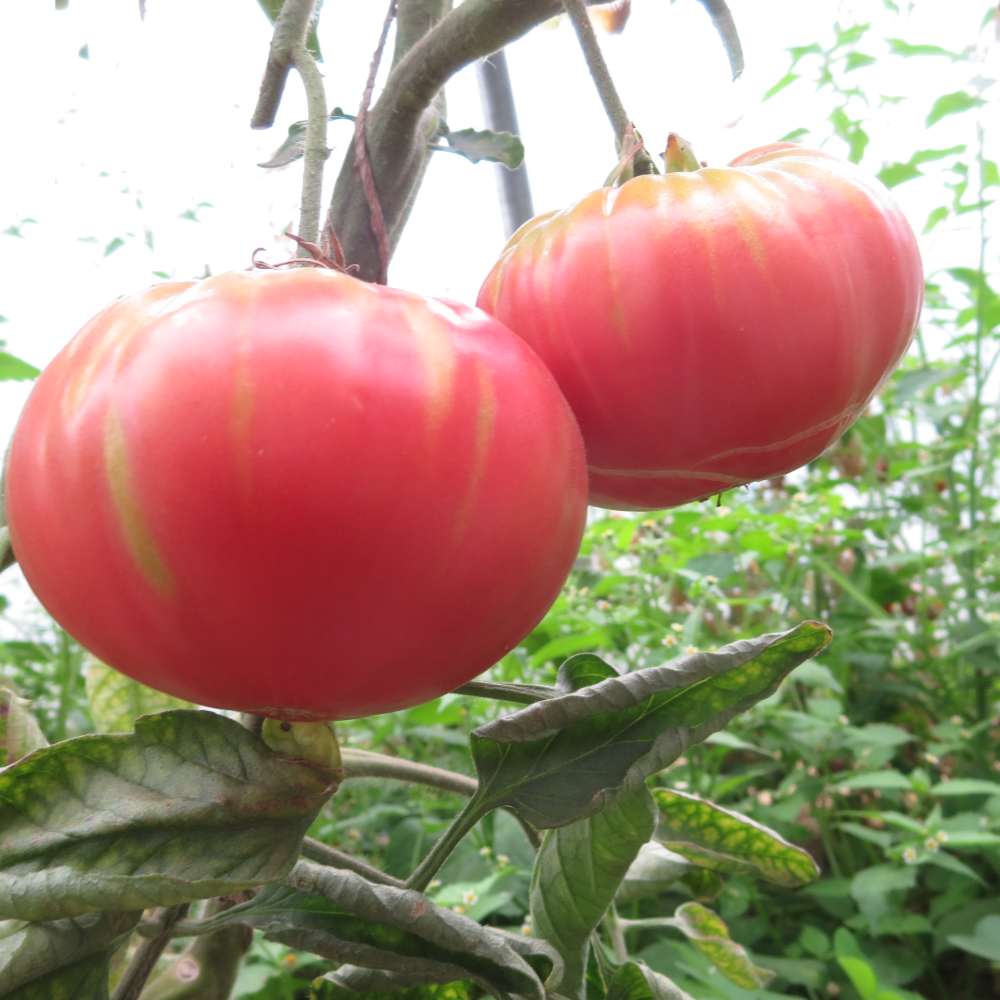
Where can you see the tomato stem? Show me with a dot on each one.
(613, 107)
(473, 812)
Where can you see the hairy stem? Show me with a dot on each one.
(289, 32)
(522, 694)
(365, 764)
(317, 851)
(316, 151)
(613, 107)
(147, 954)
(472, 813)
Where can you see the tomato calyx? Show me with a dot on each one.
(312, 741)
(679, 157)
(625, 169)
(329, 256)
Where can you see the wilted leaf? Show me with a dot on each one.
(569, 757)
(497, 147)
(725, 841)
(61, 959)
(636, 981)
(15, 370)
(189, 806)
(342, 916)
(654, 869)
(116, 701)
(582, 670)
(577, 872)
(710, 935)
(19, 731)
(292, 149)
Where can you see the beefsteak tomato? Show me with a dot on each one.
(296, 494)
(714, 327)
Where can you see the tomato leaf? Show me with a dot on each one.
(116, 701)
(654, 869)
(190, 805)
(636, 981)
(710, 935)
(952, 104)
(64, 959)
(15, 370)
(713, 837)
(569, 757)
(577, 872)
(497, 147)
(19, 731)
(340, 915)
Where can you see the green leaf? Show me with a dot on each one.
(713, 837)
(636, 981)
(116, 701)
(883, 780)
(710, 935)
(272, 8)
(855, 60)
(398, 937)
(937, 215)
(19, 731)
(985, 942)
(116, 244)
(582, 671)
(569, 757)
(328, 989)
(909, 384)
(497, 147)
(870, 888)
(156, 817)
(952, 104)
(15, 370)
(900, 48)
(705, 884)
(654, 869)
(965, 786)
(787, 80)
(577, 872)
(861, 975)
(61, 959)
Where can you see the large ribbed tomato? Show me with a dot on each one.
(296, 494)
(715, 327)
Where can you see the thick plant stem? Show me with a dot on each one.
(404, 121)
(472, 813)
(147, 954)
(316, 151)
(613, 106)
(289, 32)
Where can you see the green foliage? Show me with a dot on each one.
(116, 701)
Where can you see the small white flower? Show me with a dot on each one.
(435, 883)
(942, 836)
(458, 909)
(485, 851)
(711, 579)
(930, 758)
(844, 790)
(690, 649)
(671, 640)
(910, 855)
(957, 719)
(677, 627)
(931, 844)
(800, 497)
(526, 928)
(843, 720)
(680, 785)
(765, 798)
(469, 898)
(503, 860)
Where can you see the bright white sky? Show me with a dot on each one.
(155, 122)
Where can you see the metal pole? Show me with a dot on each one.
(498, 109)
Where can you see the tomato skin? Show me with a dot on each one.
(716, 327)
(296, 494)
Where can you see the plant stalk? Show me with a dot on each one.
(472, 813)
(316, 151)
(148, 953)
(613, 107)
